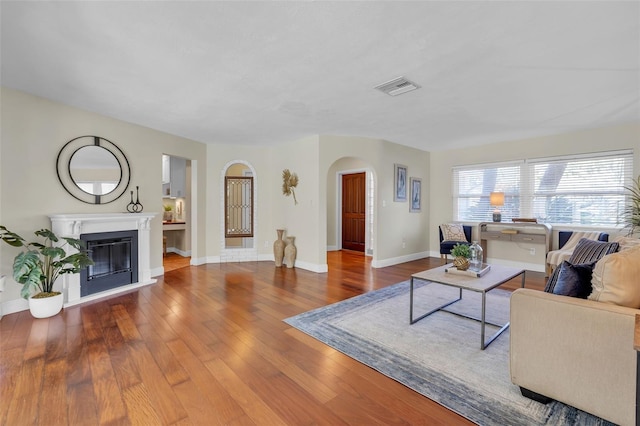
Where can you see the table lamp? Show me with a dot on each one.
(497, 199)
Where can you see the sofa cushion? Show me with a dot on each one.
(574, 280)
(627, 242)
(616, 279)
(586, 251)
(453, 232)
(555, 257)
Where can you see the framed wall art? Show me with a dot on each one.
(400, 183)
(416, 195)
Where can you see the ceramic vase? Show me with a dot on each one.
(278, 248)
(290, 252)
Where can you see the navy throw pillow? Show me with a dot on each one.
(586, 251)
(574, 280)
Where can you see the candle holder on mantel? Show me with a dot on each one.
(137, 206)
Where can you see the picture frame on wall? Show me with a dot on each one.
(399, 183)
(415, 205)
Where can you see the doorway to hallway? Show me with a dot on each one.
(354, 211)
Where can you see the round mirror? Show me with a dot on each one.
(95, 170)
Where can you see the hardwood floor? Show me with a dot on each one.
(207, 345)
(173, 261)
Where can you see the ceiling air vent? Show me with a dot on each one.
(397, 86)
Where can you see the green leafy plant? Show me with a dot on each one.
(461, 250)
(631, 214)
(40, 263)
(168, 208)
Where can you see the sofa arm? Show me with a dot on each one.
(576, 351)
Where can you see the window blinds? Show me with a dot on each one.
(583, 189)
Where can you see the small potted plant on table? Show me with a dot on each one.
(39, 265)
(461, 254)
(167, 216)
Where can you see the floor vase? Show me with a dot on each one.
(278, 248)
(290, 252)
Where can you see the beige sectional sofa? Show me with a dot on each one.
(576, 351)
(580, 351)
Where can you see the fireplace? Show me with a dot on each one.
(115, 261)
(121, 244)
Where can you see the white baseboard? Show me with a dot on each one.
(13, 306)
(397, 260)
(156, 272)
(313, 267)
(198, 261)
(178, 251)
(332, 248)
(210, 259)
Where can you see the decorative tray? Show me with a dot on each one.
(469, 272)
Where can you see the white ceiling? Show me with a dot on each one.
(271, 72)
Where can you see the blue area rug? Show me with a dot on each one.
(439, 356)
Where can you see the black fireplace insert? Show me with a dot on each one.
(115, 258)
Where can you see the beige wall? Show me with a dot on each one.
(305, 220)
(341, 166)
(34, 129)
(587, 141)
(393, 225)
(218, 157)
(33, 132)
(274, 210)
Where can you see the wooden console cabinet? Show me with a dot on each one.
(517, 232)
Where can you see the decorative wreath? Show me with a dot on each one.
(289, 181)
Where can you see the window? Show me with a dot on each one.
(577, 190)
(585, 190)
(97, 188)
(473, 185)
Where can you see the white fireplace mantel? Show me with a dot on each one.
(74, 225)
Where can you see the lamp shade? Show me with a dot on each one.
(496, 198)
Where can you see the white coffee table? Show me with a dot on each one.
(497, 276)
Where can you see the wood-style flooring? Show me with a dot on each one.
(207, 345)
(173, 261)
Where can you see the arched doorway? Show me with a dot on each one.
(350, 166)
(238, 223)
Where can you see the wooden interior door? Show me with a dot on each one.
(354, 202)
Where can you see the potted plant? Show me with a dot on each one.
(39, 265)
(168, 213)
(631, 214)
(461, 253)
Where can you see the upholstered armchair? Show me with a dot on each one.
(567, 241)
(447, 245)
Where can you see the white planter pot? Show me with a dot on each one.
(46, 307)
